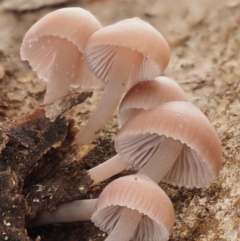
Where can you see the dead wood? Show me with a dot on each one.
(39, 169)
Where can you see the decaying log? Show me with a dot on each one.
(39, 169)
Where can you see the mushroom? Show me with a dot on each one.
(80, 210)
(54, 46)
(134, 207)
(131, 206)
(121, 55)
(173, 142)
(148, 94)
(142, 96)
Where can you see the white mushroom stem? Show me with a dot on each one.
(81, 210)
(107, 169)
(57, 87)
(58, 80)
(126, 225)
(162, 160)
(119, 76)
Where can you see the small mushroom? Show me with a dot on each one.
(173, 142)
(121, 55)
(134, 207)
(142, 96)
(54, 46)
(148, 94)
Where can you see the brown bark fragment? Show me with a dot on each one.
(34, 173)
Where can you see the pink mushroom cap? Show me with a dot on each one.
(140, 193)
(148, 94)
(200, 159)
(54, 47)
(137, 36)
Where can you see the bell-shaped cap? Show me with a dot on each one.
(136, 192)
(148, 94)
(135, 35)
(53, 46)
(200, 160)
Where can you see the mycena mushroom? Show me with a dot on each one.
(148, 94)
(129, 207)
(142, 96)
(134, 208)
(121, 55)
(173, 142)
(54, 46)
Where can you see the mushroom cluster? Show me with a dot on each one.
(161, 134)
